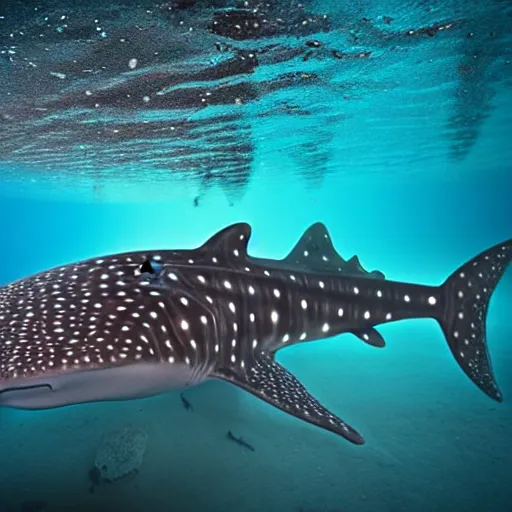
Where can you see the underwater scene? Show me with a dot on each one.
(255, 255)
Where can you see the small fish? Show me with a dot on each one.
(94, 475)
(140, 323)
(186, 403)
(240, 441)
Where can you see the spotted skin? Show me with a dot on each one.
(140, 323)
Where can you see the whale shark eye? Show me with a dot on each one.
(150, 266)
(146, 267)
(157, 265)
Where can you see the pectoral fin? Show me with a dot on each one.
(269, 381)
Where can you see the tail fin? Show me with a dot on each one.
(467, 293)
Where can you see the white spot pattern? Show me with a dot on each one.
(102, 312)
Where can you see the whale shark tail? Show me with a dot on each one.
(467, 293)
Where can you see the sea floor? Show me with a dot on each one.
(434, 442)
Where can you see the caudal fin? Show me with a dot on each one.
(467, 293)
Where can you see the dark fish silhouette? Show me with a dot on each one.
(240, 441)
(186, 403)
(136, 324)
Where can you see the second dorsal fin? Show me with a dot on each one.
(314, 252)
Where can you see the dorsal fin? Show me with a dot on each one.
(229, 242)
(315, 252)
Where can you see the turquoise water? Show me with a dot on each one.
(404, 155)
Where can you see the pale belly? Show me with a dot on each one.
(120, 383)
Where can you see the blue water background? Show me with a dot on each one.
(433, 440)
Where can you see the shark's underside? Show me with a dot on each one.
(136, 324)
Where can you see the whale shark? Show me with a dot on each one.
(136, 324)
